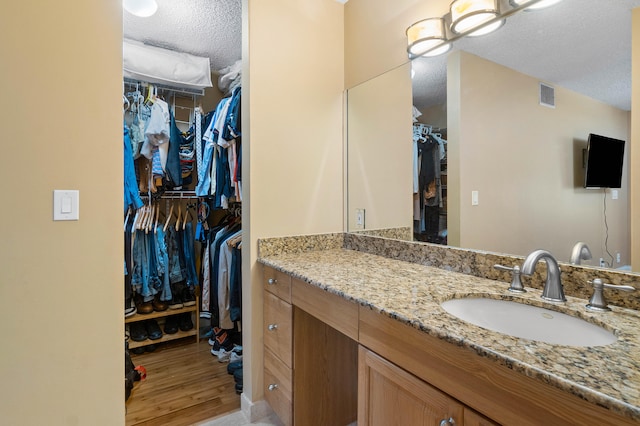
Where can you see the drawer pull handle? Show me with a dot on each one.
(272, 327)
(448, 422)
(272, 281)
(272, 387)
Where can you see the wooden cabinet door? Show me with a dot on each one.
(388, 395)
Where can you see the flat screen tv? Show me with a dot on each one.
(604, 162)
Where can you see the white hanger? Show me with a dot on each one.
(166, 224)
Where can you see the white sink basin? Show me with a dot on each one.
(528, 322)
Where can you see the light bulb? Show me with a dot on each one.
(140, 8)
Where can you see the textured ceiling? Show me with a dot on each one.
(581, 45)
(210, 28)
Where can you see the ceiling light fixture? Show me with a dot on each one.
(469, 14)
(537, 5)
(140, 8)
(428, 36)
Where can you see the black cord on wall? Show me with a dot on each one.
(606, 227)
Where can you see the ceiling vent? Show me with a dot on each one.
(547, 95)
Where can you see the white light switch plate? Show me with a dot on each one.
(359, 218)
(66, 204)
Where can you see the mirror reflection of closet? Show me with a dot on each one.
(430, 175)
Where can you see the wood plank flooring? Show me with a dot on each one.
(185, 385)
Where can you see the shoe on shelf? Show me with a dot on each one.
(171, 324)
(142, 306)
(138, 331)
(176, 293)
(188, 298)
(139, 350)
(129, 307)
(153, 329)
(159, 305)
(184, 322)
(150, 348)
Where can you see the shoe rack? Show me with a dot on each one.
(161, 316)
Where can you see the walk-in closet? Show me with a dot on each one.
(182, 227)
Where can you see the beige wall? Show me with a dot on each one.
(375, 39)
(380, 170)
(61, 294)
(525, 161)
(293, 157)
(635, 144)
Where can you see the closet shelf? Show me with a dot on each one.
(178, 195)
(161, 314)
(165, 338)
(165, 87)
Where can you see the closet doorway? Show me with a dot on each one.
(188, 380)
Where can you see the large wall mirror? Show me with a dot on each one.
(508, 168)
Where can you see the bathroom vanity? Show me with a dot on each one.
(354, 335)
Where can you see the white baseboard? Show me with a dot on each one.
(254, 411)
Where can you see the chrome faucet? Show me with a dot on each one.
(580, 252)
(553, 290)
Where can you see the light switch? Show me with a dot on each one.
(66, 204)
(359, 218)
(474, 198)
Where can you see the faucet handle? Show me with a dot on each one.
(516, 283)
(597, 302)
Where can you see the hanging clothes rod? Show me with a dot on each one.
(175, 89)
(176, 195)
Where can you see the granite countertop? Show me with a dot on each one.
(412, 293)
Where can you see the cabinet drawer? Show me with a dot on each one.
(277, 387)
(277, 283)
(278, 327)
